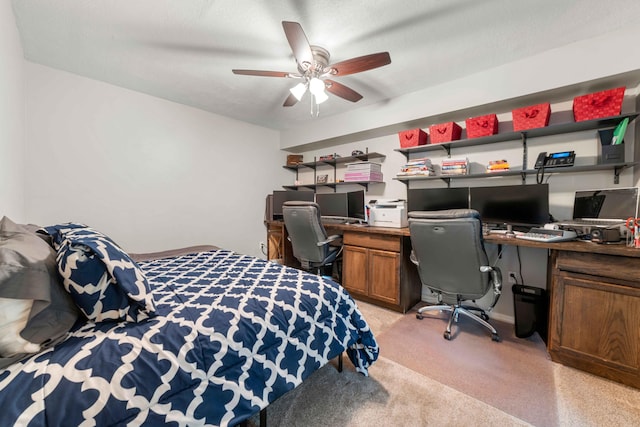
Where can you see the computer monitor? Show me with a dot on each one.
(333, 205)
(516, 205)
(356, 206)
(281, 196)
(435, 199)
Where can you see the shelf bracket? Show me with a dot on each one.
(524, 150)
(616, 174)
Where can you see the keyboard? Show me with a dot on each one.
(547, 236)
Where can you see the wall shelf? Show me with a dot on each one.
(615, 167)
(523, 136)
(556, 129)
(334, 162)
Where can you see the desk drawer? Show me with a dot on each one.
(373, 241)
(609, 266)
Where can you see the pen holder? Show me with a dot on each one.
(609, 153)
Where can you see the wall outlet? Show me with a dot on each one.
(512, 277)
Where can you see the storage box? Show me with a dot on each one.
(445, 132)
(482, 126)
(412, 138)
(607, 103)
(294, 159)
(534, 116)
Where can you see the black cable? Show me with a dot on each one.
(540, 174)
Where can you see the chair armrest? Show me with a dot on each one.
(329, 239)
(413, 257)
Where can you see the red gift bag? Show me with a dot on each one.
(412, 138)
(607, 103)
(534, 116)
(445, 132)
(482, 126)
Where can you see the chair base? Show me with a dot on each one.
(456, 310)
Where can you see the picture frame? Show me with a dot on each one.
(322, 179)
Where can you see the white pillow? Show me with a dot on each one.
(14, 314)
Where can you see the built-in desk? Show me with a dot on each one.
(594, 316)
(375, 262)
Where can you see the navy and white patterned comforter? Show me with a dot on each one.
(232, 333)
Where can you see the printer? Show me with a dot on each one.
(388, 213)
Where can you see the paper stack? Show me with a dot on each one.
(363, 171)
(455, 166)
(421, 166)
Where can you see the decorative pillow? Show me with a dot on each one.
(35, 311)
(105, 283)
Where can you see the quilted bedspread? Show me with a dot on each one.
(232, 333)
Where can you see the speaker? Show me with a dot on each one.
(268, 208)
(605, 235)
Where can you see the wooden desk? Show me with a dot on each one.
(375, 263)
(594, 315)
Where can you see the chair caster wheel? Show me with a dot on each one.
(447, 336)
(495, 337)
(419, 316)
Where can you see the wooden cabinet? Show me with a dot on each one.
(375, 269)
(595, 314)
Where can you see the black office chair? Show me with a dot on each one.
(309, 240)
(452, 262)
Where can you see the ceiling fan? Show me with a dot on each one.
(314, 69)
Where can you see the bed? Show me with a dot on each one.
(228, 334)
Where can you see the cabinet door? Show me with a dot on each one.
(596, 327)
(275, 245)
(354, 269)
(384, 276)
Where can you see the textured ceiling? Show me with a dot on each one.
(184, 50)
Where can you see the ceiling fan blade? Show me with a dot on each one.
(361, 63)
(342, 91)
(290, 101)
(262, 73)
(298, 42)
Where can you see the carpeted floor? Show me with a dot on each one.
(503, 374)
(420, 379)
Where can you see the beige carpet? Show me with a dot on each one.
(391, 396)
(514, 375)
(396, 394)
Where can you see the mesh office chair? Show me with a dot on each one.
(309, 240)
(452, 262)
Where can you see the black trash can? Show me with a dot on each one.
(531, 307)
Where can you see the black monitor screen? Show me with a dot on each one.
(435, 199)
(281, 196)
(332, 204)
(356, 206)
(525, 205)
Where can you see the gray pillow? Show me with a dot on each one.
(28, 271)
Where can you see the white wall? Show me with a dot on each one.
(11, 117)
(150, 173)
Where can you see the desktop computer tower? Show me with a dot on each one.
(531, 308)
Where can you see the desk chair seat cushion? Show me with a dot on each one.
(450, 252)
(308, 236)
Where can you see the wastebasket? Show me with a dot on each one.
(530, 305)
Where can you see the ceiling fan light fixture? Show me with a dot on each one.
(298, 90)
(316, 86)
(320, 97)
